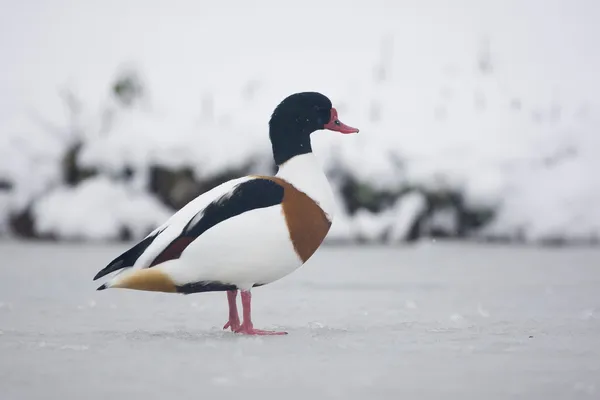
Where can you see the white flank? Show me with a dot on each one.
(253, 247)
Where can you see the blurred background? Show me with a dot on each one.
(478, 123)
(478, 119)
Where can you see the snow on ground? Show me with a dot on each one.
(4, 205)
(29, 158)
(98, 209)
(507, 115)
(430, 321)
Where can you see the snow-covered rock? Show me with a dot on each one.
(97, 209)
(406, 211)
(4, 205)
(370, 226)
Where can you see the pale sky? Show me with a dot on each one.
(546, 45)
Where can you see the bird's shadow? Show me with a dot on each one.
(195, 335)
(188, 335)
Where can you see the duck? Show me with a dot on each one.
(249, 231)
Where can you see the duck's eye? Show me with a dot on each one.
(337, 122)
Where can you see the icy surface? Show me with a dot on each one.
(427, 322)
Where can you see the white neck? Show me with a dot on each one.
(306, 174)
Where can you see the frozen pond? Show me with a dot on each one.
(425, 322)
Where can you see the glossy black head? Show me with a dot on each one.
(295, 118)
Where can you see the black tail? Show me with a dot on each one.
(126, 259)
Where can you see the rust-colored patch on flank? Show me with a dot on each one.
(173, 250)
(148, 279)
(306, 221)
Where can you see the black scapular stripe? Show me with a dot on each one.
(247, 196)
(128, 258)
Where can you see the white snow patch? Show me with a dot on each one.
(222, 381)
(483, 312)
(340, 229)
(587, 314)
(315, 325)
(98, 209)
(395, 221)
(456, 318)
(411, 305)
(30, 152)
(588, 388)
(76, 347)
(444, 219)
(405, 212)
(545, 201)
(4, 214)
(370, 226)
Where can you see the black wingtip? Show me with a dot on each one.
(112, 267)
(102, 287)
(128, 258)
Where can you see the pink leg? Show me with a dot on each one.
(234, 319)
(247, 328)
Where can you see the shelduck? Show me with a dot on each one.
(246, 232)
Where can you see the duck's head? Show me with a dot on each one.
(295, 118)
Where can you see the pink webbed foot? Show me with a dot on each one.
(249, 330)
(234, 319)
(233, 324)
(247, 327)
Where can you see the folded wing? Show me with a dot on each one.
(168, 241)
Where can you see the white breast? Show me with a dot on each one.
(306, 174)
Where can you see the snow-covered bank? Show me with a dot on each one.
(468, 129)
(97, 209)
